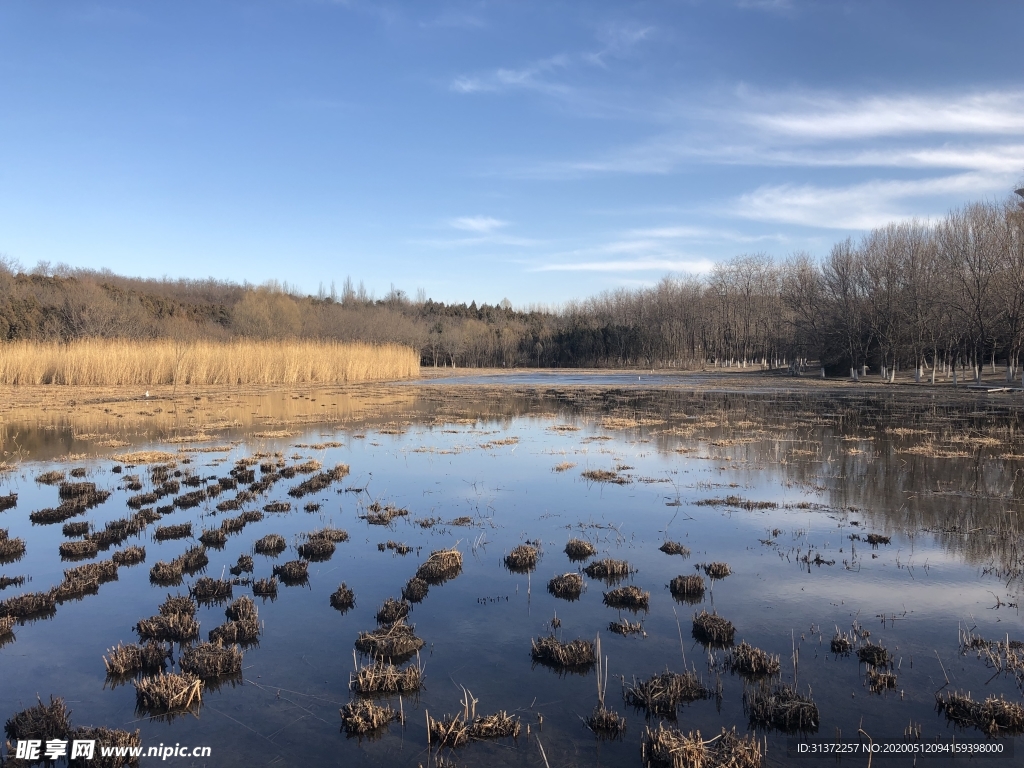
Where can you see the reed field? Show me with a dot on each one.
(120, 362)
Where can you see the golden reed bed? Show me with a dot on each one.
(117, 362)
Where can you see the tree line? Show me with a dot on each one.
(931, 297)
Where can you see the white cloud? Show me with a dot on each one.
(482, 224)
(530, 77)
(639, 265)
(857, 206)
(817, 118)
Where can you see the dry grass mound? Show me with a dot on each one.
(552, 652)
(605, 476)
(244, 564)
(108, 737)
(383, 678)
(169, 532)
(129, 556)
(75, 589)
(687, 589)
(781, 707)
(376, 514)
(674, 548)
(174, 628)
(606, 723)
(717, 571)
(272, 544)
(392, 611)
(670, 748)
(442, 565)
(75, 529)
(751, 662)
(245, 631)
(415, 590)
(50, 478)
(7, 625)
(881, 681)
(713, 630)
(579, 549)
(500, 725)
(168, 574)
(29, 605)
(875, 655)
(8, 501)
(265, 588)
(450, 731)
(343, 598)
(278, 506)
(175, 604)
(102, 572)
(995, 716)
(43, 721)
(241, 609)
(738, 502)
(208, 590)
(293, 572)
(568, 586)
(664, 693)
(131, 659)
(394, 546)
(624, 627)
(78, 550)
(211, 660)
(394, 642)
(609, 570)
(841, 644)
(168, 692)
(522, 559)
(360, 717)
(630, 598)
(317, 549)
(215, 538)
(11, 550)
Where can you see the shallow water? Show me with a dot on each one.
(946, 492)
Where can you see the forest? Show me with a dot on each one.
(913, 295)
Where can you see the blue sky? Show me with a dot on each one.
(481, 150)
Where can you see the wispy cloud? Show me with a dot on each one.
(482, 224)
(694, 266)
(817, 118)
(857, 206)
(532, 77)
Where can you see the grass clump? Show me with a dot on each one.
(245, 631)
(166, 573)
(631, 598)
(713, 630)
(674, 548)
(293, 572)
(874, 539)
(881, 681)
(102, 572)
(382, 677)
(242, 608)
(165, 693)
(214, 537)
(552, 652)
(182, 604)
(579, 549)
(193, 559)
(361, 717)
(664, 693)
(170, 532)
(450, 731)
(29, 605)
(7, 626)
(272, 544)
(131, 659)
(781, 707)
(343, 598)
(11, 581)
(415, 590)
(244, 564)
(609, 570)
(441, 566)
(522, 559)
(75, 529)
(50, 478)
(43, 721)
(209, 590)
(11, 550)
(670, 748)
(397, 641)
(316, 549)
(875, 655)
(278, 506)
(129, 556)
(716, 571)
(108, 737)
(78, 550)
(393, 611)
(605, 476)
(265, 588)
(748, 661)
(377, 514)
(500, 725)
(606, 723)
(211, 660)
(624, 627)
(995, 716)
(687, 589)
(395, 546)
(169, 628)
(568, 586)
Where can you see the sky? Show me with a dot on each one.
(535, 151)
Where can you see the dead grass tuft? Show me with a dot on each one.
(211, 660)
(442, 565)
(609, 570)
(393, 611)
(272, 544)
(415, 590)
(781, 707)
(522, 559)
(752, 662)
(168, 692)
(361, 717)
(631, 598)
(995, 716)
(687, 589)
(568, 586)
(393, 642)
(293, 572)
(343, 598)
(552, 652)
(669, 748)
(664, 693)
(131, 659)
(674, 548)
(579, 549)
(713, 630)
(381, 677)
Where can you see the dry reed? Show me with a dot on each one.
(168, 692)
(393, 642)
(381, 677)
(781, 707)
(579, 549)
(552, 652)
(609, 570)
(392, 611)
(343, 598)
(211, 660)
(687, 589)
(359, 717)
(441, 566)
(631, 598)
(415, 590)
(120, 362)
(663, 693)
(711, 629)
(522, 559)
(749, 661)
(674, 548)
(43, 721)
(669, 748)
(130, 659)
(568, 586)
(995, 716)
